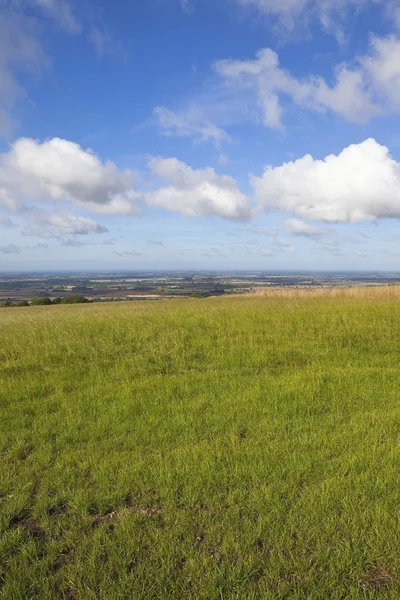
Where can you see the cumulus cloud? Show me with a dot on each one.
(196, 193)
(61, 223)
(300, 228)
(10, 249)
(267, 252)
(60, 170)
(362, 183)
(189, 123)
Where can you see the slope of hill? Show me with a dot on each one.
(224, 448)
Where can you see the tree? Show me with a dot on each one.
(41, 301)
(6, 303)
(74, 300)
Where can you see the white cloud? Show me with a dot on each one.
(257, 90)
(267, 252)
(61, 12)
(332, 246)
(349, 97)
(291, 15)
(20, 52)
(284, 246)
(286, 10)
(118, 204)
(395, 13)
(100, 40)
(189, 123)
(382, 68)
(105, 42)
(133, 253)
(187, 6)
(7, 223)
(196, 193)
(268, 232)
(74, 243)
(300, 228)
(61, 223)
(39, 246)
(21, 48)
(60, 170)
(362, 183)
(10, 249)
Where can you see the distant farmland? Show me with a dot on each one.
(227, 448)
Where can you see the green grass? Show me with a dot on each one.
(228, 448)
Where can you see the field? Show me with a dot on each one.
(228, 448)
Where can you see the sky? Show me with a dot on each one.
(199, 134)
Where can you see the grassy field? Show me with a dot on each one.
(241, 448)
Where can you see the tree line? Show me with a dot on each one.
(46, 301)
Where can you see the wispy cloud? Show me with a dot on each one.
(267, 252)
(296, 17)
(271, 232)
(22, 46)
(38, 246)
(10, 249)
(189, 123)
(61, 12)
(300, 228)
(285, 246)
(75, 243)
(47, 225)
(7, 223)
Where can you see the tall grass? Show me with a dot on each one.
(224, 448)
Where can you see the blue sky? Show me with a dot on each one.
(199, 134)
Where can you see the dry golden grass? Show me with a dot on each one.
(362, 292)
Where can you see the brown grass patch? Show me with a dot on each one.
(376, 578)
(29, 525)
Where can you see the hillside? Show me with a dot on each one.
(242, 447)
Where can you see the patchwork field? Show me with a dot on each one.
(228, 448)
